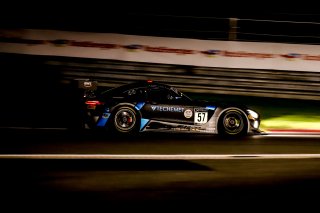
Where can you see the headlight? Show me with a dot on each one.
(253, 113)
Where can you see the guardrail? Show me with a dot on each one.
(262, 83)
(30, 72)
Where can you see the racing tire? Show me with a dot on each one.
(125, 120)
(232, 123)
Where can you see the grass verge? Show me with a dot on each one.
(275, 113)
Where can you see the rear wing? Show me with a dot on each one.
(88, 85)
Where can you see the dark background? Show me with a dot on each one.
(34, 92)
(264, 21)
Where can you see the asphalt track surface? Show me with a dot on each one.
(93, 169)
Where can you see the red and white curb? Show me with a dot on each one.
(293, 132)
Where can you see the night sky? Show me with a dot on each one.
(188, 20)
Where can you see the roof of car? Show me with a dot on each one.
(137, 84)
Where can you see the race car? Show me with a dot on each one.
(153, 106)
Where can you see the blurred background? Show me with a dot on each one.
(267, 59)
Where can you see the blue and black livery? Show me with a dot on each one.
(152, 106)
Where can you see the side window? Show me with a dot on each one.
(136, 94)
(161, 95)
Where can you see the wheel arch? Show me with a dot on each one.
(113, 111)
(126, 104)
(220, 112)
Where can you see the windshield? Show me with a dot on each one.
(180, 94)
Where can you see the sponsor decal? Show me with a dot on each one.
(167, 108)
(312, 57)
(200, 110)
(153, 50)
(133, 47)
(60, 42)
(87, 84)
(246, 54)
(11, 37)
(291, 56)
(211, 52)
(188, 113)
(168, 50)
(92, 44)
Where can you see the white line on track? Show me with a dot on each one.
(286, 134)
(159, 157)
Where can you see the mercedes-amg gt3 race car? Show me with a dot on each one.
(152, 106)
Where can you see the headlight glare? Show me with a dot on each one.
(253, 113)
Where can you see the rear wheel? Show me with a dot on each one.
(232, 123)
(125, 120)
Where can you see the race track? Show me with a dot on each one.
(82, 169)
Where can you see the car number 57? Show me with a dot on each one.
(201, 117)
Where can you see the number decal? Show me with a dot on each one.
(200, 117)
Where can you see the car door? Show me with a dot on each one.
(165, 105)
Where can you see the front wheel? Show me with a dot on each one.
(232, 123)
(125, 120)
